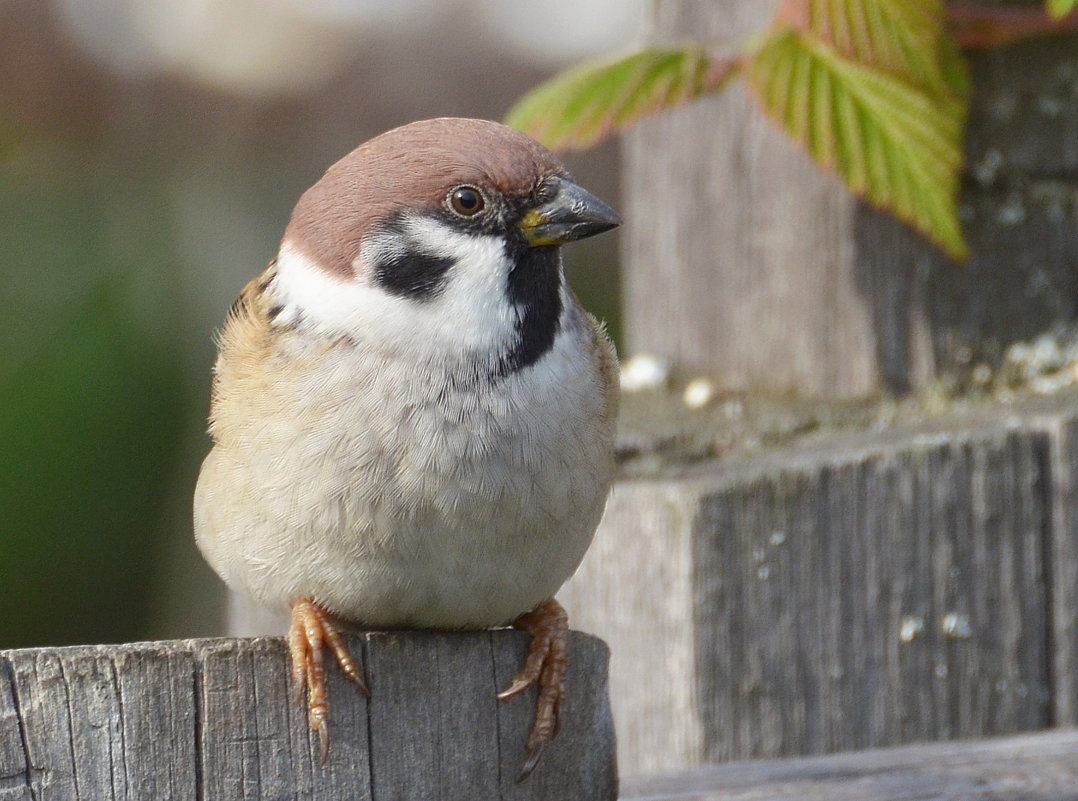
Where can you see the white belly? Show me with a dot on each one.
(460, 509)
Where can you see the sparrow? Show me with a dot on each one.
(412, 415)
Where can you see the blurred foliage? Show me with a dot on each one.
(89, 399)
(1060, 8)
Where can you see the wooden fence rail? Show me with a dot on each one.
(211, 719)
(1029, 767)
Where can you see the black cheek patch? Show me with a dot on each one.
(414, 275)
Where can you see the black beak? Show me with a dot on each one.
(573, 213)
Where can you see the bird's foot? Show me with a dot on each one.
(312, 629)
(548, 655)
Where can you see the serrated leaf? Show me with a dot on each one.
(894, 142)
(1061, 8)
(905, 38)
(582, 105)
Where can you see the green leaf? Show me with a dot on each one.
(901, 37)
(1061, 8)
(582, 105)
(896, 143)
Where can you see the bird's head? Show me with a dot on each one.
(440, 234)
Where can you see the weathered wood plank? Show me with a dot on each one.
(1020, 768)
(160, 719)
(261, 746)
(1062, 555)
(862, 591)
(800, 645)
(635, 586)
(745, 262)
(445, 693)
(212, 719)
(16, 775)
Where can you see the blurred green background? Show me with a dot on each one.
(150, 153)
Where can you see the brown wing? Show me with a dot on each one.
(244, 341)
(609, 371)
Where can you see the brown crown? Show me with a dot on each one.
(411, 167)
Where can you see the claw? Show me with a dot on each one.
(321, 728)
(311, 629)
(533, 755)
(545, 665)
(518, 686)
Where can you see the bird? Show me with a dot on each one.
(412, 416)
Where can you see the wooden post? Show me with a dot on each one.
(212, 719)
(746, 262)
(856, 591)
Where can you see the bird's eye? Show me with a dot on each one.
(467, 201)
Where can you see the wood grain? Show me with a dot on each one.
(1022, 768)
(800, 646)
(1062, 554)
(212, 719)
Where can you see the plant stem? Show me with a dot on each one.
(977, 27)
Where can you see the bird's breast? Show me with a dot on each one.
(398, 495)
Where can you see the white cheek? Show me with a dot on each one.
(471, 313)
(473, 308)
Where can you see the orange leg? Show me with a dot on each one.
(312, 629)
(548, 655)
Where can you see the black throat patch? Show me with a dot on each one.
(534, 289)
